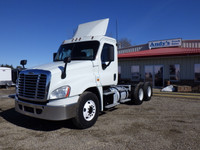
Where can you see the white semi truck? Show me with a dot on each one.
(81, 82)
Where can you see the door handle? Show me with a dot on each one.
(114, 77)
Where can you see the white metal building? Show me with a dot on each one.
(159, 62)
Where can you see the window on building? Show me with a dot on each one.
(135, 72)
(197, 72)
(174, 72)
(158, 75)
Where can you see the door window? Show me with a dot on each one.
(149, 74)
(154, 74)
(106, 55)
(158, 75)
(174, 72)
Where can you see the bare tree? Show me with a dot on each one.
(124, 42)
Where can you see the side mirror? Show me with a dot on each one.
(23, 63)
(67, 60)
(54, 56)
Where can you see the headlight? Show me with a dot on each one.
(61, 92)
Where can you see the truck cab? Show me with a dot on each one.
(79, 83)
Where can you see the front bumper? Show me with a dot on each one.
(55, 110)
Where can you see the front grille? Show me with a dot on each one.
(33, 85)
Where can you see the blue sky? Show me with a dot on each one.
(34, 29)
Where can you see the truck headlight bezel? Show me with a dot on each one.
(61, 92)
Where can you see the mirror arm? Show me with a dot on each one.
(66, 61)
(63, 76)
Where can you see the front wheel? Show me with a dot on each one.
(87, 110)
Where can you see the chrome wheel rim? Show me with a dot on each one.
(149, 91)
(141, 94)
(89, 110)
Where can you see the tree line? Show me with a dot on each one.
(10, 66)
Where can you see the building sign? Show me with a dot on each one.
(165, 43)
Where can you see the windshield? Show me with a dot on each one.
(78, 51)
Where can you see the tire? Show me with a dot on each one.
(148, 91)
(87, 111)
(137, 94)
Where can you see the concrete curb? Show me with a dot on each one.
(194, 96)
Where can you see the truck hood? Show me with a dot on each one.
(56, 67)
(78, 74)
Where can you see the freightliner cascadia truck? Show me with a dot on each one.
(81, 82)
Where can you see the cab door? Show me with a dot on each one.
(108, 67)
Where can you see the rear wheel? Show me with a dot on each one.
(87, 111)
(147, 91)
(137, 94)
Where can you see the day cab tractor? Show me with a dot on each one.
(81, 82)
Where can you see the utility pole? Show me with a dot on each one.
(117, 33)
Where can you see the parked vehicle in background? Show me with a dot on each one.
(5, 77)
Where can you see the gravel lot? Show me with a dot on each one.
(160, 124)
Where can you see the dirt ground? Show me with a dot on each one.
(160, 124)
